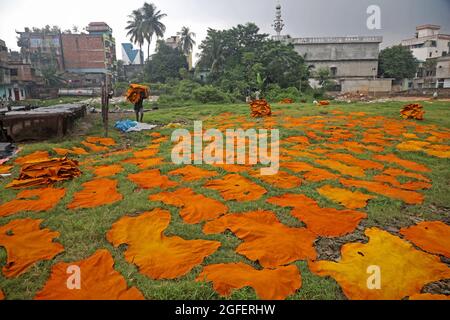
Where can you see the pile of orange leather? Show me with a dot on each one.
(260, 109)
(324, 103)
(45, 172)
(134, 92)
(413, 111)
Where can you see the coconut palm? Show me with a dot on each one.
(135, 27)
(187, 41)
(151, 24)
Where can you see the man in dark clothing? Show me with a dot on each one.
(139, 108)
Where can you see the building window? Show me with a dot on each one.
(22, 93)
(14, 72)
(333, 71)
(431, 54)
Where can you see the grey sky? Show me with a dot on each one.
(303, 18)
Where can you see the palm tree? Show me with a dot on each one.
(135, 27)
(151, 24)
(187, 41)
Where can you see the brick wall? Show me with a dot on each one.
(83, 51)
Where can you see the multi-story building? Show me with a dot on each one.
(443, 72)
(42, 48)
(428, 43)
(16, 76)
(90, 53)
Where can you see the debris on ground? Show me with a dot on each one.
(45, 172)
(413, 111)
(260, 108)
(127, 126)
(352, 97)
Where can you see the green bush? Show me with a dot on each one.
(210, 94)
(276, 94)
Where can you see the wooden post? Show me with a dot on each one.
(105, 103)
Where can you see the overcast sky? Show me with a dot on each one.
(303, 18)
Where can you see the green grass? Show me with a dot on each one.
(82, 232)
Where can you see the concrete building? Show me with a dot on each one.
(131, 56)
(428, 43)
(344, 57)
(443, 72)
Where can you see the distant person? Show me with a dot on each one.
(139, 107)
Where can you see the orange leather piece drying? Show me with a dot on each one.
(195, 208)
(5, 169)
(430, 236)
(410, 185)
(281, 179)
(192, 173)
(142, 163)
(151, 179)
(344, 169)
(429, 296)
(411, 165)
(265, 239)
(287, 101)
(276, 284)
(156, 255)
(324, 103)
(347, 198)
(107, 142)
(404, 270)
(36, 156)
(236, 187)
(65, 152)
(26, 244)
(96, 193)
(413, 111)
(260, 108)
(98, 281)
(134, 92)
(107, 171)
(45, 172)
(409, 197)
(2, 295)
(312, 173)
(93, 147)
(47, 198)
(351, 160)
(327, 222)
(146, 153)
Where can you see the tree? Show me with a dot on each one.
(397, 62)
(75, 29)
(165, 64)
(136, 29)
(51, 77)
(151, 24)
(241, 53)
(187, 40)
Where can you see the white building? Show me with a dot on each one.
(131, 56)
(428, 43)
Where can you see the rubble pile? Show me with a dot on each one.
(353, 97)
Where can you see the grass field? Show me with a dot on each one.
(82, 232)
